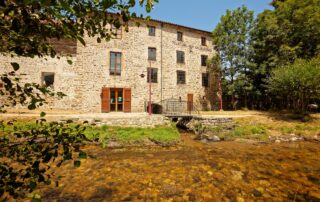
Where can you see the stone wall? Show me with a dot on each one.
(83, 80)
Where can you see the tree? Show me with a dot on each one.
(27, 29)
(232, 38)
(295, 85)
(282, 35)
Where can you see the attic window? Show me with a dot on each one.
(179, 36)
(47, 79)
(116, 32)
(152, 30)
(203, 41)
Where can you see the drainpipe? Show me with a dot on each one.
(161, 80)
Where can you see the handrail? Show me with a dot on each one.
(174, 106)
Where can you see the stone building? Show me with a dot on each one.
(113, 76)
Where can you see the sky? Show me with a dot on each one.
(200, 14)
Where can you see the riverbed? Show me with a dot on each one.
(193, 171)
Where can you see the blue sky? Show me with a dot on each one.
(201, 14)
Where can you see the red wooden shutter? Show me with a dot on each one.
(190, 102)
(105, 100)
(127, 99)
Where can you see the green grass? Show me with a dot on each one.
(162, 134)
(253, 132)
(124, 135)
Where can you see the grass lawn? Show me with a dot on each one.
(129, 135)
(103, 134)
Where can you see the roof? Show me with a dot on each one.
(186, 27)
(169, 23)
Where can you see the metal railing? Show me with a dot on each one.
(174, 107)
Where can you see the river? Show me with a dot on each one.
(193, 171)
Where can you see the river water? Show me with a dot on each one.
(193, 171)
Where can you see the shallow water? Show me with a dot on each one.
(225, 171)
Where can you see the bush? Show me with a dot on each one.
(296, 84)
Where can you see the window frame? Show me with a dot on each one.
(154, 73)
(179, 81)
(117, 31)
(204, 63)
(155, 54)
(179, 36)
(205, 82)
(115, 73)
(183, 61)
(43, 82)
(150, 32)
(203, 41)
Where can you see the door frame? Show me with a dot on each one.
(116, 99)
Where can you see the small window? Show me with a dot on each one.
(179, 36)
(205, 79)
(180, 57)
(203, 41)
(181, 77)
(115, 63)
(152, 54)
(116, 32)
(204, 59)
(153, 74)
(152, 30)
(47, 79)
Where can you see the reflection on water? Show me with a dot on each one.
(227, 171)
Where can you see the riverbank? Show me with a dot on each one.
(250, 126)
(261, 127)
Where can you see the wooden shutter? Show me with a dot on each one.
(105, 100)
(127, 99)
(190, 102)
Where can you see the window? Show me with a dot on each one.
(153, 74)
(47, 79)
(181, 77)
(152, 30)
(115, 63)
(205, 79)
(117, 32)
(179, 36)
(152, 54)
(180, 57)
(204, 59)
(203, 41)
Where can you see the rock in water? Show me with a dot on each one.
(213, 138)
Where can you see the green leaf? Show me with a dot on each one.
(82, 155)
(32, 185)
(77, 163)
(15, 66)
(42, 114)
(82, 41)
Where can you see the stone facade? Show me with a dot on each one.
(84, 79)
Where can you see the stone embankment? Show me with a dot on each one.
(142, 120)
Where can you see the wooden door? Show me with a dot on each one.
(105, 100)
(190, 102)
(127, 99)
